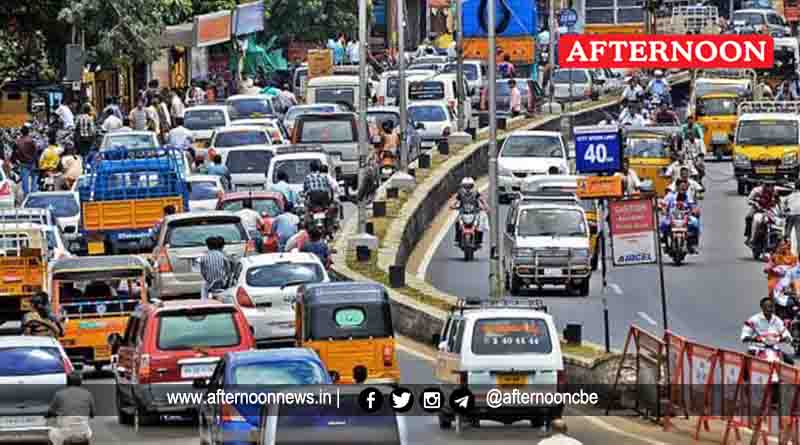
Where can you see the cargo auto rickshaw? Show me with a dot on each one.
(648, 149)
(95, 296)
(349, 325)
(716, 113)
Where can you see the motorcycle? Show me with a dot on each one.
(468, 220)
(678, 238)
(767, 348)
(388, 164)
(770, 232)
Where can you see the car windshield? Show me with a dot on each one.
(335, 95)
(328, 131)
(62, 206)
(26, 360)
(507, 336)
(705, 88)
(203, 119)
(279, 373)
(646, 148)
(296, 169)
(238, 138)
(195, 235)
(250, 108)
(248, 161)
(532, 147)
(203, 190)
(277, 275)
(131, 141)
(263, 205)
(379, 117)
(763, 132)
(201, 328)
(470, 70)
(426, 90)
(717, 107)
(563, 76)
(749, 18)
(551, 222)
(427, 113)
(424, 67)
(294, 112)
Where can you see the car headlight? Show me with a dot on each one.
(741, 160)
(523, 253)
(790, 159)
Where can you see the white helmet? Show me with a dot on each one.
(467, 182)
(658, 73)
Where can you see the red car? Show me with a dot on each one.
(167, 345)
(268, 204)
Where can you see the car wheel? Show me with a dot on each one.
(122, 417)
(583, 289)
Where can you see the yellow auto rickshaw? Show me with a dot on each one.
(717, 114)
(349, 325)
(95, 296)
(648, 149)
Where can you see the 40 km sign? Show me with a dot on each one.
(598, 149)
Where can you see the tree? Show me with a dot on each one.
(311, 20)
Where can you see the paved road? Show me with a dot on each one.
(708, 298)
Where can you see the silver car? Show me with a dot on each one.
(181, 242)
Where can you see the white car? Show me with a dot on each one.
(529, 153)
(575, 85)
(249, 106)
(264, 286)
(298, 110)
(129, 139)
(32, 370)
(239, 136)
(248, 166)
(296, 162)
(475, 73)
(274, 127)
(389, 85)
(202, 120)
(204, 191)
(66, 207)
(437, 119)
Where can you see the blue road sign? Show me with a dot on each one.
(598, 151)
(567, 17)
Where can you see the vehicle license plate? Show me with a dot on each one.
(512, 379)
(319, 216)
(96, 248)
(196, 371)
(21, 421)
(765, 170)
(552, 272)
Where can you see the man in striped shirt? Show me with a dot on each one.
(214, 265)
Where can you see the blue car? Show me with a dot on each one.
(254, 373)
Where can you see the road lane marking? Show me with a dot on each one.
(422, 271)
(616, 288)
(416, 353)
(648, 318)
(608, 427)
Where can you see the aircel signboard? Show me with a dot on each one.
(633, 239)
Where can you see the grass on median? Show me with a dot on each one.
(584, 351)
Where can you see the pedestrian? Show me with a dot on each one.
(168, 210)
(111, 123)
(112, 108)
(285, 226)
(25, 156)
(631, 183)
(559, 435)
(139, 116)
(353, 53)
(317, 246)
(41, 321)
(793, 219)
(72, 164)
(176, 107)
(215, 266)
(506, 68)
(153, 119)
(86, 131)
(180, 136)
(516, 98)
(72, 407)
(339, 49)
(66, 116)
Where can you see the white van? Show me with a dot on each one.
(202, 120)
(503, 343)
(389, 85)
(442, 87)
(336, 89)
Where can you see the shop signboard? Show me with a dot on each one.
(212, 29)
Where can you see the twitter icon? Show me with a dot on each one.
(402, 400)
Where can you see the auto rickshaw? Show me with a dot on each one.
(95, 296)
(21, 100)
(648, 150)
(717, 114)
(349, 325)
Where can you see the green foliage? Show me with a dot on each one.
(311, 20)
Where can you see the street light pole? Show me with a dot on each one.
(495, 277)
(460, 65)
(401, 45)
(552, 43)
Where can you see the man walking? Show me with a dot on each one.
(86, 131)
(25, 156)
(138, 116)
(214, 265)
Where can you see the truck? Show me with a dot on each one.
(24, 256)
(124, 197)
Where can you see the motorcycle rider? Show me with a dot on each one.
(630, 180)
(41, 321)
(659, 87)
(50, 160)
(317, 188)
(761, 198)
(694, 186)
(72, 407)
(763, 324)
(678, 162)
(665, 115)
(633, 91)
(467, 195)
(782, 272)
(633, 116)
(680, 199)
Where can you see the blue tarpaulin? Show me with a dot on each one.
(515, 18)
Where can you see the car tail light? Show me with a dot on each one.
(243, 298)
(144, 368)
(446, 132)
(562, 380)
(250, 248)
(463, 378)
(68, 368)
(388, 355)
(229, 413)
(164, 265)
(5, 189)
(381, 100)
(587, 92)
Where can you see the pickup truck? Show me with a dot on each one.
(23, 266)
(125, 196)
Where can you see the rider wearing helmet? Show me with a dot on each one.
(41, 321)
(659, 87)
(467, 195)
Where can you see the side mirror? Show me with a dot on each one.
(200, 384)
(114, 342)
(437, 338)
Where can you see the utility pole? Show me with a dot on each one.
(552, 62)
(495, 277)
(362, 239)
(401, 179)
(460, 65)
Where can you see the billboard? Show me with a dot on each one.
(633, 235)
(211, 29)
(248, 19)
(514, 18)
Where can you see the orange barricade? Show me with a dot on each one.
(760, 398)
(702, 381)
(648, 357)
(790, 378)
(735, 412)
(677, 362)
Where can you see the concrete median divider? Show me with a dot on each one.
(419, 309)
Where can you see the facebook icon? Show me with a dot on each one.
(370, 400)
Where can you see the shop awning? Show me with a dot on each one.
(178, 35)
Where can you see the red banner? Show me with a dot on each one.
(665, 51)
